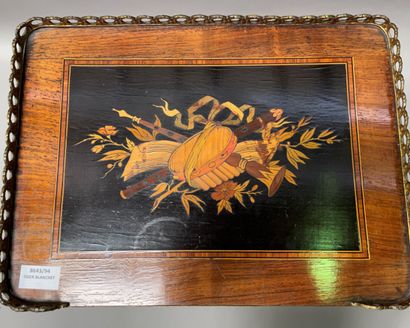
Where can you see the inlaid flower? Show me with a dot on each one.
(224, 191)
(108, 130)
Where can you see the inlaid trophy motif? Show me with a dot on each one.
(212, 156)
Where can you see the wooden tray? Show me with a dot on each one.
(206, 160)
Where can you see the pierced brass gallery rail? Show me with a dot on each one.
(26, 28)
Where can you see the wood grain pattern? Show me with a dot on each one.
(115, 280)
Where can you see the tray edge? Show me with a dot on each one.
(25, 29)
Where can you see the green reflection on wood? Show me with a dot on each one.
(324, 273)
